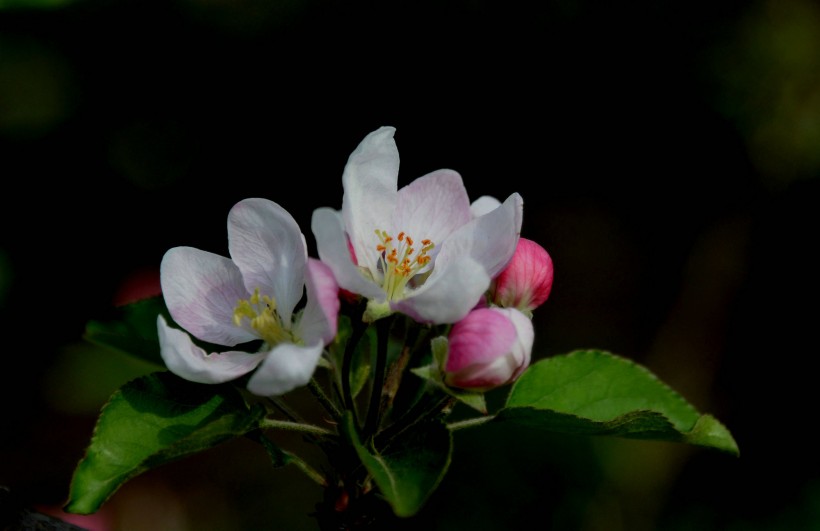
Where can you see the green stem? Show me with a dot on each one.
(319, 393)
(294, 426)
(285, 409)
(383, 334)
(309, 471)
(469, 423)
(347, 364)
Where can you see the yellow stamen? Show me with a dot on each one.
(260, 311)
(398, 264)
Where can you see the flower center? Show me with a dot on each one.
(260, 311)
(400, 261)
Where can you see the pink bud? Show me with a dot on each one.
(489, 348)
(526, 282)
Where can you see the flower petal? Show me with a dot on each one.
(201, 290)
(266, 244)
(189, 361)
(432, 206)
(370, 182)
(479, 338)
(286, 367)
(449, 293)
(492, 237)
(332, 246)
(483, 205)
(525, 337)
(320, 319)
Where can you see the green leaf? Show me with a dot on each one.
(150, 421)
(132, 329)
(590, 392)
(410, 467)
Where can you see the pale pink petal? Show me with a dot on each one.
(185, 359)
(266, 244)
(483, 205)
(332, 246)
(453, 289)
(320, 318)
(525, 337)
(432, 207)
(370, 181)
(491, 239)
(201, 290)
(285, 368)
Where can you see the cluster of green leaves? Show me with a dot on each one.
(404, 452)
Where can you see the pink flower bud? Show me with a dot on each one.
(526, 282)
(489, 348)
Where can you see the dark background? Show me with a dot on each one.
(667, 154)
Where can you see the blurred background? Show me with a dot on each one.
(668, 155)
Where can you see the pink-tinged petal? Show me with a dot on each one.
(491, 239)
(185, 359)
(484, 377)
(332, 246)
(525, 338)
(481, 337)
(527, 281)
(489, 348)
(370, 181)
(266, 244)
(320, 318)
(483, 205)
(286, 367)
(432, 207)
(201, 290)
(449, 293)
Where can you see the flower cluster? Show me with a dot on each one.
(419, 300)
(424, 251)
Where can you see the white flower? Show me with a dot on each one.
(250, 296)
(420, 250)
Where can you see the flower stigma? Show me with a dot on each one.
(260, 311)
(399, 261)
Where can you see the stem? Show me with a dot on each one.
(309, 471)
(419, 411)
(284, 408)
(347, 363)
(396, 371)
(319, 393)
(469, 423)
(383, 331)
(294, 426)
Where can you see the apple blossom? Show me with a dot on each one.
(250, 296)
(418, 250)
(526, 282)
(489, 348)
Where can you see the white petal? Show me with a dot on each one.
(331, 244)
(320, 318)
(370, 182)
(432, 206)
(201, 290)
(286, 367)
(452, 290)
(483, 205)
(525, 334)
(491, 239)
(267, 245)
(188, 361)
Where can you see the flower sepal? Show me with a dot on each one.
(434, 374)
